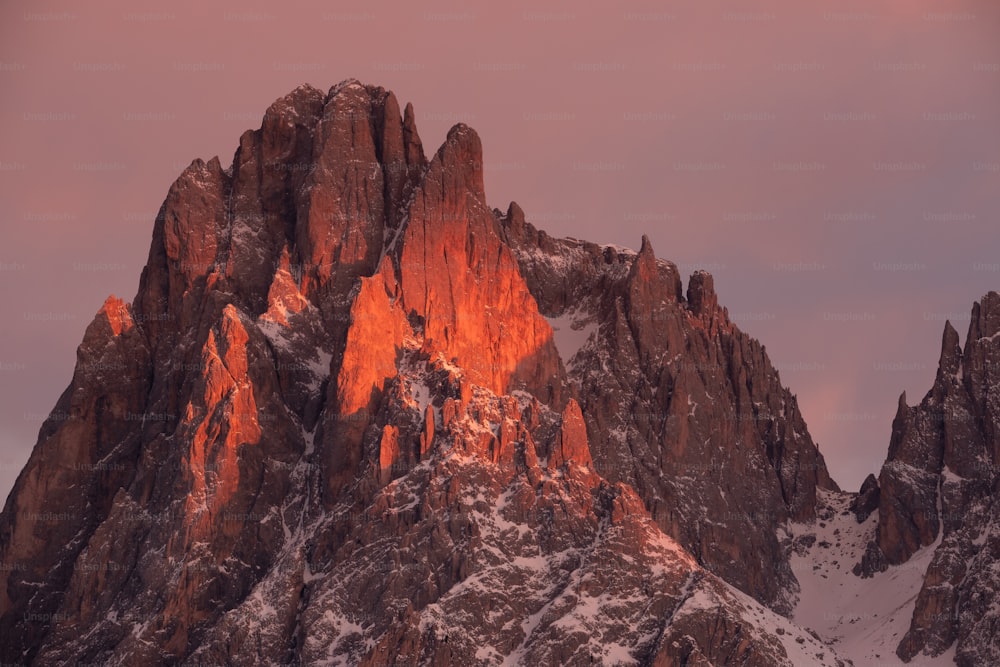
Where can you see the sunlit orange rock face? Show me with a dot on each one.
(336, 421)
(460, 286)
(463, 282)
(221, 418)
(571, 444)
(373, 346)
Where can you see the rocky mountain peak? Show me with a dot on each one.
(936, 502)
(951, 351)
(985, 320)
(701, 297)
(354, 407)
(458, 164)
(461, 283)
(116, 315)
(302, 105)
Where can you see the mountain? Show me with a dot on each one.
(354, 415)
(936, 499)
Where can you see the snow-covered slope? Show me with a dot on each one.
(864, 619)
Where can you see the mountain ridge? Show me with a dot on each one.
(339, 406)
(937, 490)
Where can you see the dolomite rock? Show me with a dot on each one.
(334, 424)
(937, 489)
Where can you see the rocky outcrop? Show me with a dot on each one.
(461, 283)
(680, 404)
(368, 363)
(937, 491)
(335, 424)
(867, 499)
(571, 442)
(85, 452)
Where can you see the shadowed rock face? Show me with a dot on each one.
(938, 487)
(336, 423)
(680, 404)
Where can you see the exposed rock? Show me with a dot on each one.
(427, 436)
(86, 449)
(867, 499)
(571, 442)
(374, 343)
(316, 433)
(937, 490)
(701, 296)
(388, 452)
(461, 282)
(680, 404)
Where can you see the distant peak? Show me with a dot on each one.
(985, 321)
(305, 88)
(460, 158)
(199, 167)
(118, 314)
(951, 351)
(346, 83)
(459, 129)
(646, 248)
(465, 139)
(295, 103)
(950, 335)
(701, 296)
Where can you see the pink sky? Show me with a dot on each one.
(834, 164)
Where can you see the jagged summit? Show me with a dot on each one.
(354, 408)
(936, 498)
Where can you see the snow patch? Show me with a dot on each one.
(863, 619)
(571, 331)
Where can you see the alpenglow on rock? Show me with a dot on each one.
(364, 418)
